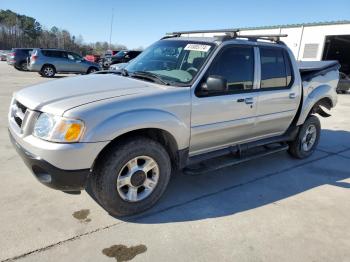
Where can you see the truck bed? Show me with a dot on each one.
(311, 69)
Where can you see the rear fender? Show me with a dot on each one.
(324, 95)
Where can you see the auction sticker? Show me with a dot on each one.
(197, 47)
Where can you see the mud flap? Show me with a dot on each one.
(321, 112)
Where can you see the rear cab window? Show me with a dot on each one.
(275, 68)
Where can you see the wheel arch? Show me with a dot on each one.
(92, 67)
(48, 64)
(324, 96)
(162, 136)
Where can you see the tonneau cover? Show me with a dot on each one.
(311, 69)
(306, 66)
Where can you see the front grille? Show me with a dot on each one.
(21, 107)
(18, 112)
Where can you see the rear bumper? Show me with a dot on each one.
(34, 67)
(49, 175)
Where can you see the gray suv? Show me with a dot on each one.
(48, 62)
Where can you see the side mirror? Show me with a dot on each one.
(214, 84)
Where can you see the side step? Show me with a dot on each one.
(230, 160)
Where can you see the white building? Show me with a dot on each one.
(312, 41)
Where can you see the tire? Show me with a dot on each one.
(23, 66)
(18, 68)
(107, 179)
(92, 70)
(48, 71)
(307, 139)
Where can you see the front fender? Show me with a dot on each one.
(114, 126)
(315, 95)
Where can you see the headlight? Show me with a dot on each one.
(58, 129)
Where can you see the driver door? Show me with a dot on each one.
(227, 117)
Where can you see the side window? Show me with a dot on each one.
(73, 56)
(288, 67)
(236, 65)
(70, 56)
(133, 54)
(52, 53)
(275, 68)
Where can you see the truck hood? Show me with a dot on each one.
(58, 96)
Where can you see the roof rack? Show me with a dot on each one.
(230, 34)
(226, 31)
(269, 37)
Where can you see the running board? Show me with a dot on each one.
(209, 166)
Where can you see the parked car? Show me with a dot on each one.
(344, 84)
(18, 57)
(4, 54)
(48, 62)
(105, 60)
(124, 56)
(183, 101)
(118, 66)
(93, 58)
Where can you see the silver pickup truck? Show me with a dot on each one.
(183, 101)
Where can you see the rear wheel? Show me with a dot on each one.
(24, 66)
(48, 71)
(307, 140)
(132, 177)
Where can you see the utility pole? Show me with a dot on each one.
(110, 34)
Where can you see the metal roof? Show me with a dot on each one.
(340, 22)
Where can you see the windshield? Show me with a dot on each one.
(176, 62)
(120, 54)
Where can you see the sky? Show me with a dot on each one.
(139, 23)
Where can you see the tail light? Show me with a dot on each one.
(33, 57)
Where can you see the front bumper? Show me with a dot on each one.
(49, 175)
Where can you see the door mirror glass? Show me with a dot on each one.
(214, 84)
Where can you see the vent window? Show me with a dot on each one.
(310, 51)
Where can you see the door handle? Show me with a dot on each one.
(249, 100)
(292, 95)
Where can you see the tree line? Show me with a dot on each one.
(18, 30)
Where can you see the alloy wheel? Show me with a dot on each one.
(138, 178)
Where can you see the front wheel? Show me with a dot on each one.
(307, 139)
(132, 177)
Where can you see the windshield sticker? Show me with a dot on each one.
(197, 47)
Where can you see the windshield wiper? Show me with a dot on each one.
(151, 76)
(122, 72)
